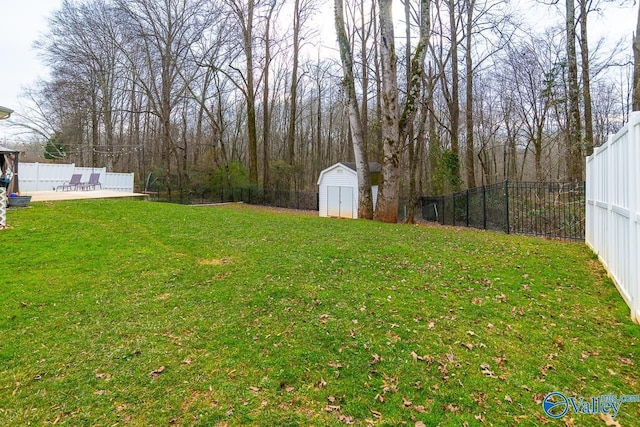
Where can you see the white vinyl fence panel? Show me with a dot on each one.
(43, 176)
(613, 210)
(118, 181)
(48, 176)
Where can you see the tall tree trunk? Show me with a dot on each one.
(586, 79)
(364, 53)
(378, 80)
(410, 130)
(291, 134)
(454, 102)
(574, 152)
(247, 25)
(388, 193)
(266, 116)
(469, 157)
(365, 200)
(435, 153)
(396, 126)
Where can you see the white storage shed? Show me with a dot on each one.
(338, 190)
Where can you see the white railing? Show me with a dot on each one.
(48, 176)
(613, 210)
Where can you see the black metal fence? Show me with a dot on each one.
(275, 198)
(549, 209)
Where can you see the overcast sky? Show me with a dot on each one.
(22, 21)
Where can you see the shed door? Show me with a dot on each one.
(340, 202)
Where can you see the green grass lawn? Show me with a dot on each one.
(142, 313)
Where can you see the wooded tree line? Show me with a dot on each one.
(458, 93)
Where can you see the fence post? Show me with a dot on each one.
(484, 207)
(506, 204)
(453, 199)
(467, 207)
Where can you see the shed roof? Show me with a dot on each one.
(374, 169)
(5, 150)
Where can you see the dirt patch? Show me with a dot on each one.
(215, 261)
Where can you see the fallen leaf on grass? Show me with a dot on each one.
(332, 408)
(544, 369)
(508, 399)
(376, 414)
(451, 358)
(543, 419)
(485, 370)
(321, 384)
(346, 419)
(375, 359)
(626, 361)
(469, 346)
(451, 408)
(420, 424)
(609, 421)
(500, 360)
(406, 402)
(156, 372)
(538, 398)
(254, 389)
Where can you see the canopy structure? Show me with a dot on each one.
(9, 168)
(5, 112)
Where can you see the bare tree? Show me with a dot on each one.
(395, 125)
(365, 200)
(244, 14)
(303, 10)
(585, 8)
(574, 132)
